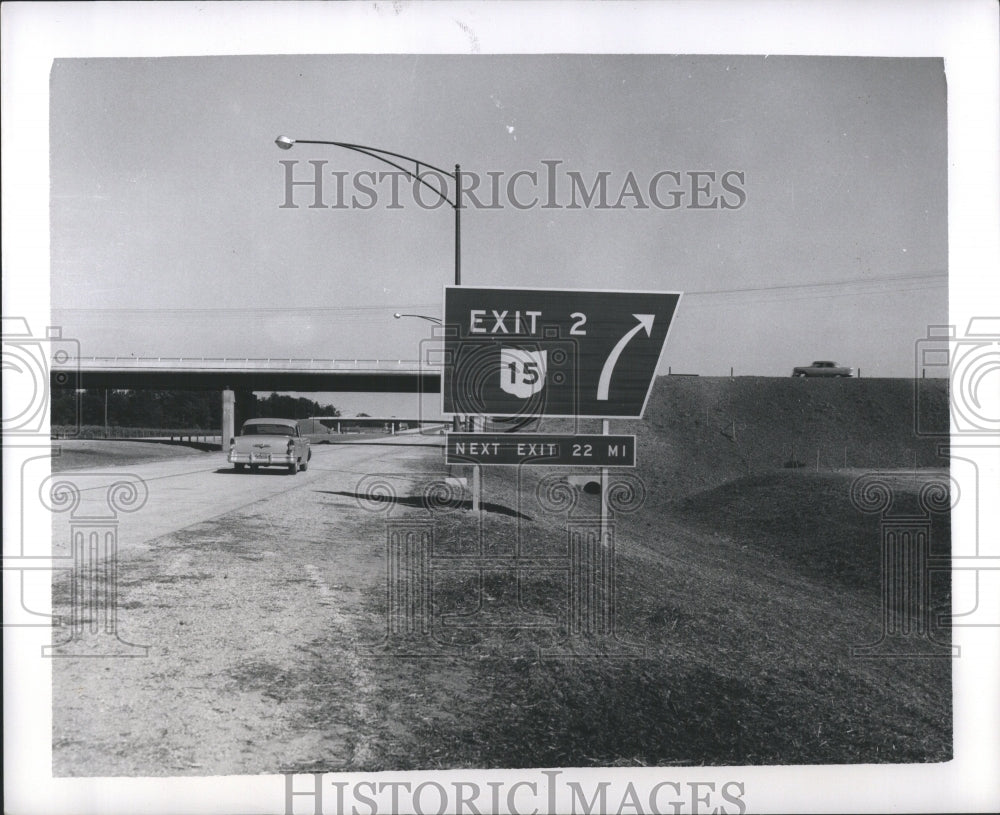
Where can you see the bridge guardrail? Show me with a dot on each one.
(244, 363)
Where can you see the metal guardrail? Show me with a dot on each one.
(114, 433)
(241, 363)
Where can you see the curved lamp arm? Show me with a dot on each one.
(434, 320)
(286, 143)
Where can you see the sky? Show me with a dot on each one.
(173, 230)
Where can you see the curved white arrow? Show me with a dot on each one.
(604, 383)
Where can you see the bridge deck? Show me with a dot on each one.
(246, 373)
(238, 364)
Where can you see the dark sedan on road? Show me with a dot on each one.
(823, 368)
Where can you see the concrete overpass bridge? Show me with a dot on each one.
(236, 378)
(246, 373)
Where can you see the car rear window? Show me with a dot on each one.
(268, 430)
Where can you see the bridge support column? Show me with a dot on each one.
(228, 417)
(246, 407)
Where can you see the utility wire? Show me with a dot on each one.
(864, 285)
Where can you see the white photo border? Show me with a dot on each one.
(965, 35)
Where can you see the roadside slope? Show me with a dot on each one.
(701, 432)
(748, 583)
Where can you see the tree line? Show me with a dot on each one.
(191, 410)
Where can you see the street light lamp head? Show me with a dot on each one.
(435, 320)
(284, 142)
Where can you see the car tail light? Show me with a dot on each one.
(291, 445)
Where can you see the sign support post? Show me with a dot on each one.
(477, 483)
(604, 493)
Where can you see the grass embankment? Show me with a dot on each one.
(746, 634)
(87, 454)
(745, 585)
(702, 432)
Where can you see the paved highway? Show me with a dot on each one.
(182, 492)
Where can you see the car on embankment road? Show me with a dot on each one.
(823, 368)
(315, 431)
(270, 443)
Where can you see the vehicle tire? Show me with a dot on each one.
(293, 468)
(239, 467)
(304, 466)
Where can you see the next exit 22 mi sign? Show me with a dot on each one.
(552, 352)
(540, 448)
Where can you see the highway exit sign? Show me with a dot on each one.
(540, 449)
(552, 352)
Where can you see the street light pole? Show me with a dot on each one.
(386, 157)
(458, 225)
